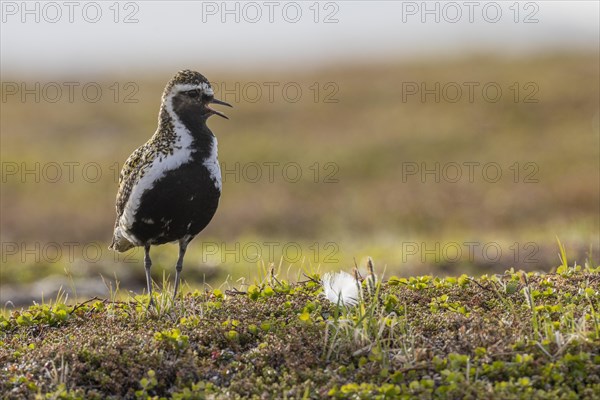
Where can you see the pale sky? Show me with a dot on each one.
(62, 37)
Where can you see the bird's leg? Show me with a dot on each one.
(182, 247)
(148, 265)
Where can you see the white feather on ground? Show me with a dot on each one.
(340, 287)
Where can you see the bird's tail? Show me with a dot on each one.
(119, 242)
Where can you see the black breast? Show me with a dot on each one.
(181, 203)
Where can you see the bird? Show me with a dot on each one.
(169, 187)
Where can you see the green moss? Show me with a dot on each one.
(521, 336)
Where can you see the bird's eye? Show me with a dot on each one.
(193, 93)
(207, 97)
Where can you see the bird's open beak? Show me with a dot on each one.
(219, 113)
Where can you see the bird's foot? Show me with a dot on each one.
(151, 303)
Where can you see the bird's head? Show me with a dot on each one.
(189, 92)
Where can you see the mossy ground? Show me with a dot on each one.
(517, 335)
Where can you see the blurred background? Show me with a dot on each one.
(435, 137)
